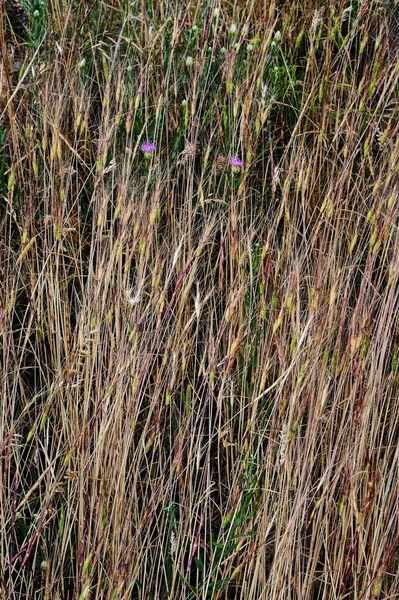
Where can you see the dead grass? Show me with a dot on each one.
(199, 368)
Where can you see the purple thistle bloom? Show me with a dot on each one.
(236, 162)
(148, 148)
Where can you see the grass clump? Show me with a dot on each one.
(199, 300)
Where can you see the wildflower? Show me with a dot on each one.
(216, 12)
(189, 61)
(82, 63)
(148, 148)
(250, 47)
(277, 36)
(236, 163)
(233, 29)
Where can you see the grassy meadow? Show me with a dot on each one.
(199, 300)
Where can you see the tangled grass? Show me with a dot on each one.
(200, 340)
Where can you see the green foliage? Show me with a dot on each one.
(37, 11)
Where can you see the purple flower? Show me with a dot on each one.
(148, 148)
(235, 162)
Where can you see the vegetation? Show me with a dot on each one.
(199, 335)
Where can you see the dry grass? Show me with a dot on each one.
(199, 368)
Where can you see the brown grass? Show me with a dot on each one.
(199, 369)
